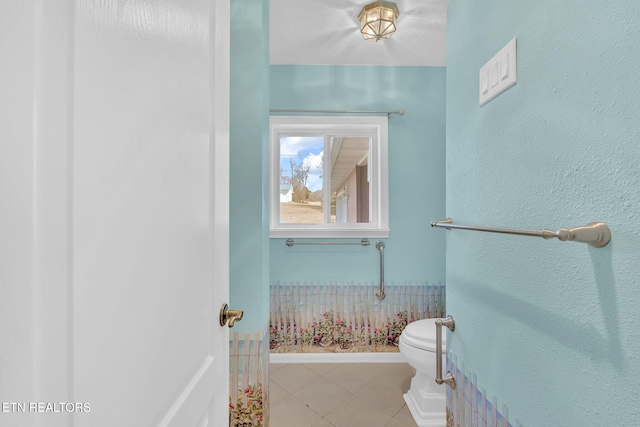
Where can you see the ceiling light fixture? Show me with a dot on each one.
(378, 20)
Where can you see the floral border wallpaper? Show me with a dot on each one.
(248, 373)
(347, 317)
(329, 333)
(468, 406)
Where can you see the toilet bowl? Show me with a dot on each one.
(425, 399)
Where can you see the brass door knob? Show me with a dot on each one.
(229, 315)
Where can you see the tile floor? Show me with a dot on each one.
(339, 395)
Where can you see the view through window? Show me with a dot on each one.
(327, 176)
(303, 185)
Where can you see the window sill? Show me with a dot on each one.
(326, 233)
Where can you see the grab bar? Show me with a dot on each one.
(388, 113)
(596, 234)
(291, 242)
(450, 378)
(380, 294)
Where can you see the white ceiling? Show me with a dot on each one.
(326, 32)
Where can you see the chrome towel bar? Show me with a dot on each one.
(596, 234)
(291, 242)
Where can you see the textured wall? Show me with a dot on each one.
(249, 212)
(549, 328)
(413, 252)
(249, 209)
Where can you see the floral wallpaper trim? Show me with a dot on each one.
(248, 372)
(247, 410)
(468, 406)
(330, 334)
(347, 318)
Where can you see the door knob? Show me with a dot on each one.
(231, 315)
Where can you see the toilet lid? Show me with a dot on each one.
(422, 334)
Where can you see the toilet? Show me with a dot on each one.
(425, 399)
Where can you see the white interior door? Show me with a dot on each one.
(124, 177)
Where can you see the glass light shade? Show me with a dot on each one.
(378, 20)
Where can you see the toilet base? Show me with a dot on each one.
(426, 402)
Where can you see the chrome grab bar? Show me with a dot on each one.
(596, 234)
(388, 113)
(450, 378)
(362, 242)
(380, 294)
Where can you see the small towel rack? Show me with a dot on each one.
(596, 234)
(291, 242)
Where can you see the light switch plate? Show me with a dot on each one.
(498, 74)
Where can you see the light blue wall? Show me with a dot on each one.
(249, 128)
(414, 251)
(552, 329)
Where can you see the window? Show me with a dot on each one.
(329, 177)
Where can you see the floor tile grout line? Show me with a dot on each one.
(292, 394)
(333, 382)
(349, 392)
(374, 404)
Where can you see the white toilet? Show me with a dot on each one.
(425, 399)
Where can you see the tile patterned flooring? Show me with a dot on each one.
(339, 395)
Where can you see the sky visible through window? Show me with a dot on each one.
(305, 150)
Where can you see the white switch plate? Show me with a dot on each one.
(498, 74)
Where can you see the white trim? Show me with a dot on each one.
(377, 129)
(372, 357)
(321, 233)
(219, 202)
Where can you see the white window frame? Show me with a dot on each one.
(374, 127)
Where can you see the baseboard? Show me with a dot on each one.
(336, 358)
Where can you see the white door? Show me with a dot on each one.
(118, 167)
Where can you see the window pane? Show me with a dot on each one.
(350, 178)
(328, 177)
(301, 179)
